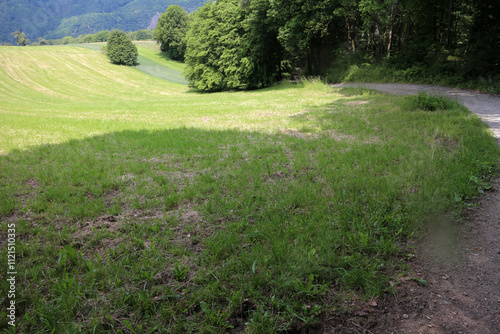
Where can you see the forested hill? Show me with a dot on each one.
(58, 18)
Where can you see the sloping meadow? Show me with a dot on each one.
(143, 206)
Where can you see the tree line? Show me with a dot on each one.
(101, 36)
(248, 44)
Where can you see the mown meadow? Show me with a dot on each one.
(144, 206)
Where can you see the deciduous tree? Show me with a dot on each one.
(213, 54)
(171, 31)
(120, 49)
(102, 36)
(233, 44)
(305, 28)
(21, 38)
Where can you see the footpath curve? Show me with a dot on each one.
(460, 262)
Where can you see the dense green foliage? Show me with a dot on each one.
(142, 35)
(214, 46)
(449, 42)
(307, 29)
(266, 59)
(484, 39)
(233, 45)
(120, 49)
(101, 36)
(171, 31)
(20, 38)
(57, 18)
(456, 39)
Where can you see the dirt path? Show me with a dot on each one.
(460, 263)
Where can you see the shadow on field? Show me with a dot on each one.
(194, 222)
(123, 171)
(260, 211)
(162, 72)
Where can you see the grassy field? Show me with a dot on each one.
(144, 206)
(151, 51)
(151, 61)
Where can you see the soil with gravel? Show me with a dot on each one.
(455, 282)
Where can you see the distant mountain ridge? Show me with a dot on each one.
(59, 18)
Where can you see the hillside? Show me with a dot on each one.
(55, 19)
(141, 205)
(152, 61)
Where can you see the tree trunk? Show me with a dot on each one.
(409, 26)
(378, 43)
(323, 57)
(391, 27)
(351, 45)
(310, 66)
(448, 28)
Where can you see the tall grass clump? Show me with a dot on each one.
(424, 101)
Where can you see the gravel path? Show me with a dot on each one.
(460, 262)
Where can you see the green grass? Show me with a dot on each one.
(143, 206)
(151, 61)
(151, 51)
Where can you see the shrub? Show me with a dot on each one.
(101, 36)
(88, 39)
(143, 35)
(42, 41)
(120, 49)
(68, 40)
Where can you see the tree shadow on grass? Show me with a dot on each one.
(159, 71)
(279, 215)
(147, 66)
(164, 56)
(248, 195)
(123, 171)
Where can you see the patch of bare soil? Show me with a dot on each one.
(354, 103)
(455, 285)
(188, 231)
